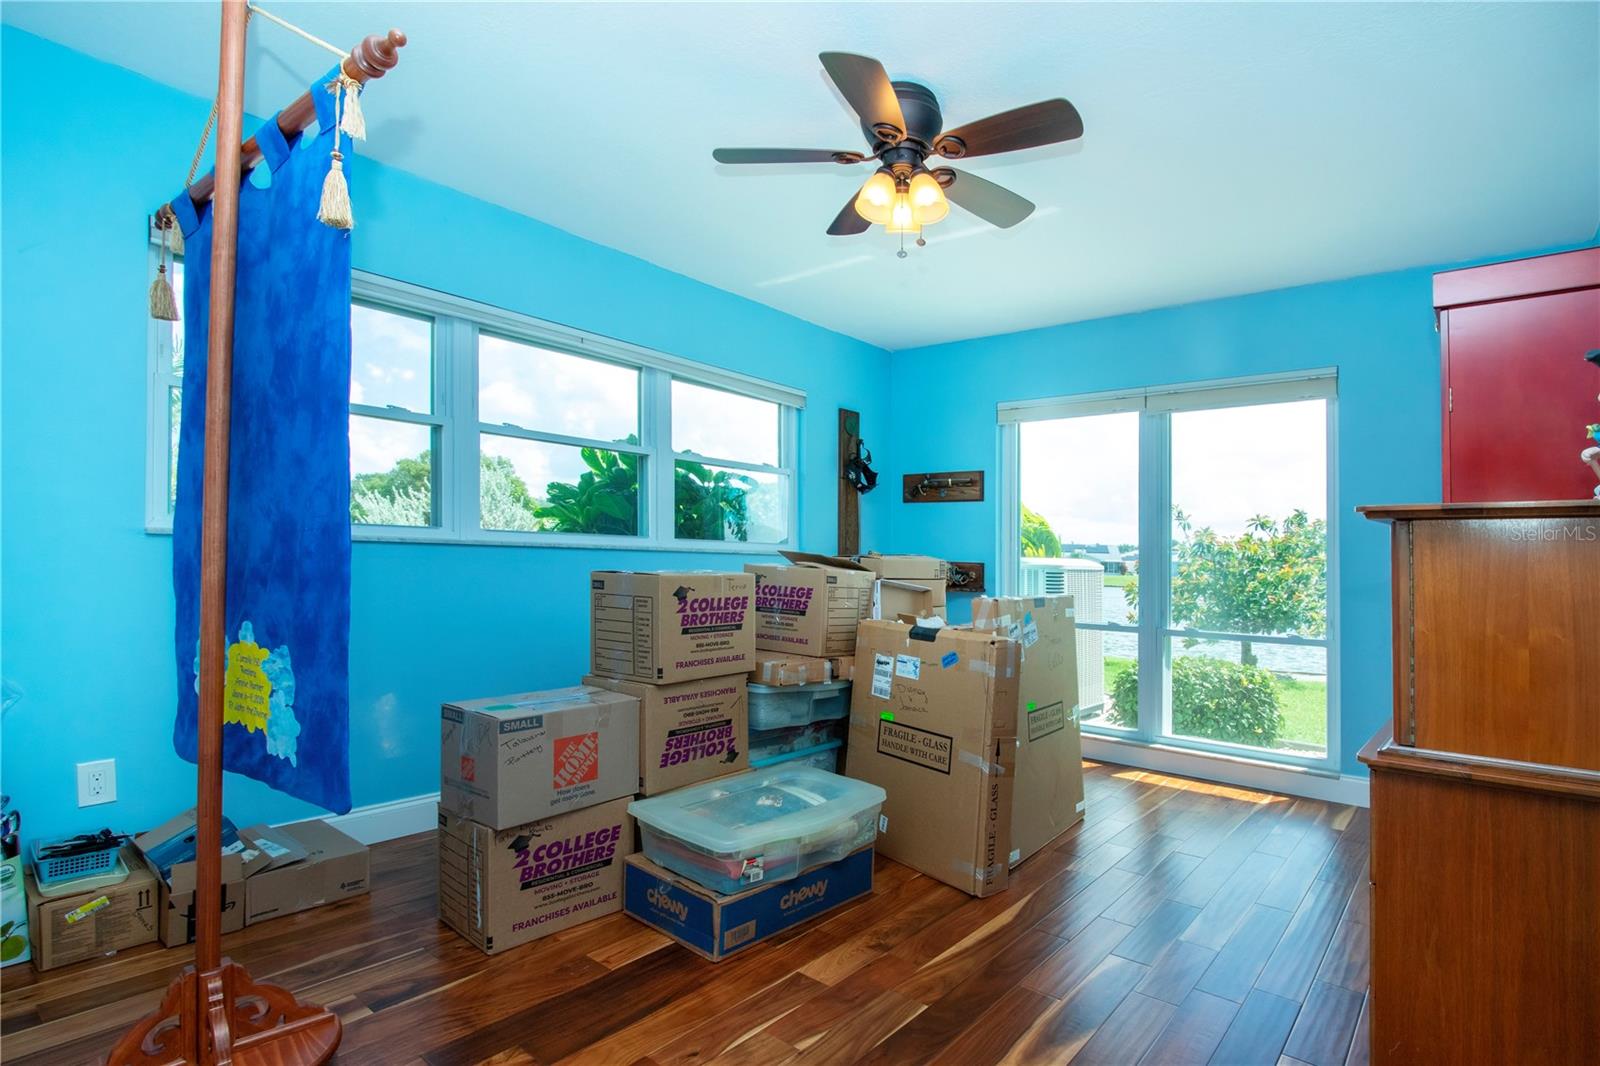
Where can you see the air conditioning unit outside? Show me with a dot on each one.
(1084, 581)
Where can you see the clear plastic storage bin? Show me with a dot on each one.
(765, 825)
(777, 706)
(770, 745)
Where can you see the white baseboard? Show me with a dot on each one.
(378, 822)
(1247, 773)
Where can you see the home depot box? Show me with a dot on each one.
(1047, 795)
(933, 722)
(335, 866)
(507, 760)
(501, 888)
(810, 608)
(716, 926)
(921, 569)
(66, 929)
(688, 732)
(666, 627)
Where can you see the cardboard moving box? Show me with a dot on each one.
(904, 601)
(776, 668)
(715, 926)
(812, 607)
(169, 850)
(67, 929)
(666, 627)
(919, 569)
(1047, 795)
(335, 866)
(501, 888)
(933, 722)
(507, 760)
(688, 732)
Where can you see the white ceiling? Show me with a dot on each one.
(1230, 148)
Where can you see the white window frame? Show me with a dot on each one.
(1154, 629)
(456, 325)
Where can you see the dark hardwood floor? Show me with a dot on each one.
(1180, 922)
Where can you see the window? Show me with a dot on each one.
(1192, 526)
(470, 424)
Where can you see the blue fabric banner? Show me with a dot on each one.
(286, 706)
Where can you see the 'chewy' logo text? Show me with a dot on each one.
(796, 896)
(668, 904)
(577, 759)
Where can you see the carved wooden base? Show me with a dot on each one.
(222, 1016)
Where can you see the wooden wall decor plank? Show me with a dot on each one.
(1193, 1032)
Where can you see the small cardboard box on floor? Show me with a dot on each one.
(507, 760)
(665, 627)
(67, 929)
(715, 926)
(812, 606)
(688, 732)
(309, 864)
(933, 722)
(169, 849)
(501, 888)
(1047, 797)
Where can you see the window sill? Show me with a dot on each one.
(1320, 782)
(553, 540)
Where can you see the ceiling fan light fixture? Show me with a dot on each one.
(902, 216)
(876, 201)
(928, 203)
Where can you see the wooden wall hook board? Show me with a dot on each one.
(244, 1023)
(944, 486)
(965, 577)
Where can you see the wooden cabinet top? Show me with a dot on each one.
(1423, 512)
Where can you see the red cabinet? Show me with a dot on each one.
(1518, 393)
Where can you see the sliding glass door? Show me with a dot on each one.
(1192, 527)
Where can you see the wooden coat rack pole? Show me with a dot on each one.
(213, 1013)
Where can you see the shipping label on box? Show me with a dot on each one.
(933, 722)
(507, 760)
(811, 607)
(501, 888)
(1048, 790)
(661, 628)
(688, 732)
(336, 866)
(67, 929)
(716, 926)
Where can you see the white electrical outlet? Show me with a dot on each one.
(97, 782)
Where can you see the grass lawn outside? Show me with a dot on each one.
(1304, 704)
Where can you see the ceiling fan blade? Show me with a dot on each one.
(993, 203)
(862, 81)
(1046, 122)
(783, 155)
(848, 221)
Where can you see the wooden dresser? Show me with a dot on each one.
(1486, 789)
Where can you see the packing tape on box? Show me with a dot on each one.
(974, 759)
(983, 874)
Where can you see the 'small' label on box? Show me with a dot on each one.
(507, 760)
(688, 732)
(501, 888)
(661, 628)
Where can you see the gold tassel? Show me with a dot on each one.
(177, 238)
(163, 302)
(335, 208)
(353, 123)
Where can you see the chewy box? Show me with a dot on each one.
(717, 926)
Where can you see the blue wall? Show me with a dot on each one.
(86, 632)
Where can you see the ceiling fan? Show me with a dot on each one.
(903, 125)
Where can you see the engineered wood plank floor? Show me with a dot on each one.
(1180, 922)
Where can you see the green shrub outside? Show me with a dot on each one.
(1211, 698)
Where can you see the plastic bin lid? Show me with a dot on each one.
(785, 690)
(748, 811)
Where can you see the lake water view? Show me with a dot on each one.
(1299, 661)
